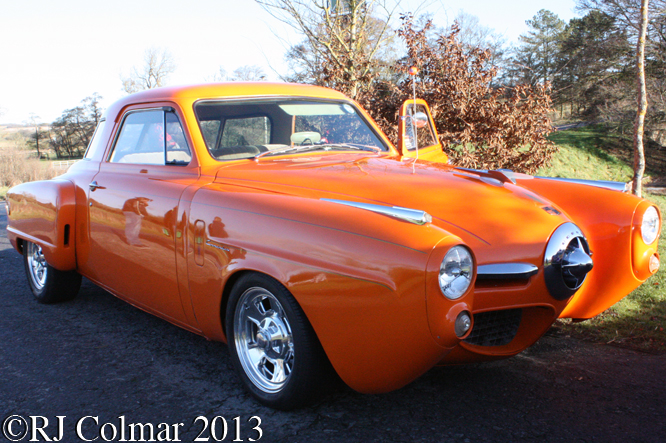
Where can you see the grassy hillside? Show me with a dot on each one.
(639, 320)
(584, 153)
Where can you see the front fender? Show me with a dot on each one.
(607, 218)
(359, 276)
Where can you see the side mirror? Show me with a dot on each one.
(420, 120)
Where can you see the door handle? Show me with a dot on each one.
(94, 186)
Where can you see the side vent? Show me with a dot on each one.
(66, 235)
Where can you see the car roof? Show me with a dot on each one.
(224, 90)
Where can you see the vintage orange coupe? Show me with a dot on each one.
(279, 219)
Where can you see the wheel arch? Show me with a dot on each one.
(226, 293)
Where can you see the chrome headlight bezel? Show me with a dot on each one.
(650, 225)
(456, 272)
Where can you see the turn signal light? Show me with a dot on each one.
(654, 263)
(463, 323)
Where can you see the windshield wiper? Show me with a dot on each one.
(285, 150)
(356, 146)
(325, 147)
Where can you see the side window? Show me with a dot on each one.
(144, 140)
(96, 140)
(246, 131)
(177, 150)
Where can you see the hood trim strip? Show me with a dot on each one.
(415, 216)
(606, 184)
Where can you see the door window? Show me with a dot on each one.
(153, 137)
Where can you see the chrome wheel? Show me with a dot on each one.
(37, 267)
(263, 339)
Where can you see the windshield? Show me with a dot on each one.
(256, 128)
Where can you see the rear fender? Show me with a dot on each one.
(44, 212)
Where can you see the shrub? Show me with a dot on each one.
(16, 167)
(479, 126)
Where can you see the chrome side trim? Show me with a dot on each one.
(217, 246)
(606, 184)
(505, 271)
(415, 216)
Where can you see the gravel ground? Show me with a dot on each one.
(98, 362)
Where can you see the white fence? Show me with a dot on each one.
(62, 165)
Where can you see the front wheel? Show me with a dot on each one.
(273, 346)
(48, 284)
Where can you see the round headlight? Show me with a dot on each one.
(650, 225)
(455, 273)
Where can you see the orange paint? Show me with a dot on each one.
(172, 238)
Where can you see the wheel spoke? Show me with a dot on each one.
(279, 373)
(254, 312)
(263, 369)
(254, 320)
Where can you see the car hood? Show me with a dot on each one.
(499, 220)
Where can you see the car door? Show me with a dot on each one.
(415, 118)
(133, 209)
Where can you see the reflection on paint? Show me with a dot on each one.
(134, 210)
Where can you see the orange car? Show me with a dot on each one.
(279, 219)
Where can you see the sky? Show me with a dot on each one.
(53, 54)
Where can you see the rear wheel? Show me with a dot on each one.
(273, 346)
(48, 284)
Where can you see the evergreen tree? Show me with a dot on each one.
(593, 57)
(535, 60)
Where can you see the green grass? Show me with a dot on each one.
(3, 192)
(639, 320)
(584, 153)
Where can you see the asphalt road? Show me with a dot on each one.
(103, 365)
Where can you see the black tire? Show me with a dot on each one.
(48, 284)
(284, 335)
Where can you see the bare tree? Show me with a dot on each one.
(342, 35)
(639, 153)
(38, 135)
(474, 35)
(248, 73)
(92, 108)
(650, 39)
(157, 65)
(220, 76)
(628, 13)
(70, 133)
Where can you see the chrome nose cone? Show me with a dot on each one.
(576, 263)
(567, 261)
